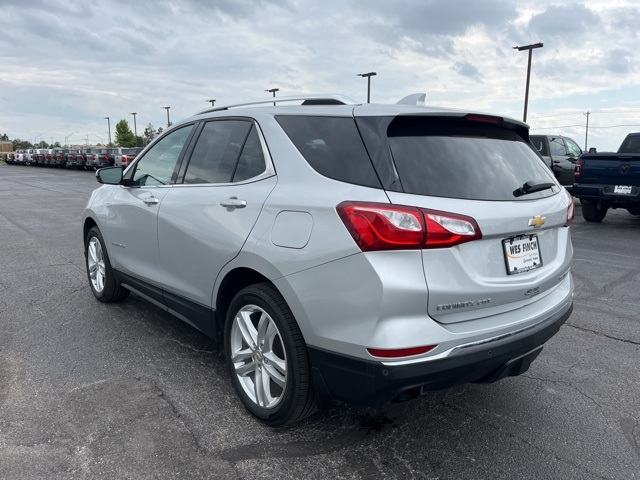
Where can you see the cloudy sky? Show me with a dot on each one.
(65, 65)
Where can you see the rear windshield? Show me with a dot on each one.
(461, 159)
(631, 144)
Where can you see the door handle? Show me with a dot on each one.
(150, 200)
(233, 202)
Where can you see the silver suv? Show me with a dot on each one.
(342, 252)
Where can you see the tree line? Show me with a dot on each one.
(124, 137)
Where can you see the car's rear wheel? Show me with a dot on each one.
(101, 276)
(267, 357)
(593, 210)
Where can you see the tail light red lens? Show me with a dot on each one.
(483, 118)
(380, 226)
(124, 159)
(570, 212)
(446, 229)
(383, 226)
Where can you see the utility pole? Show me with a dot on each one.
(526, 91)
(109, 124)
(368, 77)
(135, 128)
(168, 122)
(273, 90)
(586, 132)
(213, 101)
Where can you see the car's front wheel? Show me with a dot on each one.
(101, 276)
(267, 357)
(594, 210)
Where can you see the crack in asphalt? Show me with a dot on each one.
(634, 316)
(604, 290)
(631, 431)
(567, 384)
(600, 334)
(521, 439)
(301, 449)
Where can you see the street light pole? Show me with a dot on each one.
(526, 92)
(135, 127)
(66, 139)
(168, 122)
(273, 90)
(368, 77)
(36, 139)
(109, 124)
(586, 132)
(213, 101)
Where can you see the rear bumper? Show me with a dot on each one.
(606, 193)
(348, 379)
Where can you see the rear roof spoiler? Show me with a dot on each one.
(415, 99)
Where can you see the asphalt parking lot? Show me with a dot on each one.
(126, 391)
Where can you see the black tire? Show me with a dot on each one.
(285, 349)
(594, 210)
(99, 272)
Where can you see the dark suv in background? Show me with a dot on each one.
(560, 154)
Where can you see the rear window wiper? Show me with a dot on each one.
(532, 186)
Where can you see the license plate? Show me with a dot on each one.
(624, 189)
(522, 253)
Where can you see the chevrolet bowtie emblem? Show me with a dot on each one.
(536, 221)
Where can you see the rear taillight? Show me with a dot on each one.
(93, 157)
(578, 172)
(380, 226)
(571, 211)
(124, 159)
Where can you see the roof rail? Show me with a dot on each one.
(316, 99)
(416, 99)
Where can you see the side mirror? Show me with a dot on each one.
(109, 175)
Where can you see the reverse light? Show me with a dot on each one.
(400, 352)
(446, 229)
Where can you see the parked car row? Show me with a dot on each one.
(84, 158)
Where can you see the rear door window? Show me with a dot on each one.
(457, 159)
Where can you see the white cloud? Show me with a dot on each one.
(77, 62)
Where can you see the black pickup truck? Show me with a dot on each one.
(609, 180)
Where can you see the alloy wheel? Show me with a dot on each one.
(258, 356)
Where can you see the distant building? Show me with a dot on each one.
(6, 146)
